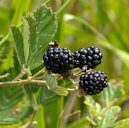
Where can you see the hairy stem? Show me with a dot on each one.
(8, 83)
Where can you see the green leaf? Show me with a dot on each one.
(26, 39)
(53, 86)
(109, 117)
(42, 27)
(51, 82)
(92, 107)
(6, 51)
(122, 124)
(61, 91)
(30, 96)
(38, 30)
(10, 96)
(9, 117)
(18, 44)
(114, 91)
(46, 96)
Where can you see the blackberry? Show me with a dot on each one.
(58, 60)
(93, 82)
(90, 57)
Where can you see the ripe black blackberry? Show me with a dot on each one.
(58, 60)
(93, 82)
(90, 57)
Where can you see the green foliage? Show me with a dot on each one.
(101, 114)
(5, 54)
(9, 116)
(109, 117)
(42, 97)
(31, 40)
(53, 86)
(18, 44)
(113, 92)
(46, 96)
(80, 123)
(38, 30)
(122, 124)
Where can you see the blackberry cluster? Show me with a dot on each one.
(61, 60)
(58, 60)
(93, 82)
(90, 57)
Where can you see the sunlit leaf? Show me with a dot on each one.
(52, 84)
(61, 91)
(92, 107)
(122, 124)
(109, 117)
(113, 91)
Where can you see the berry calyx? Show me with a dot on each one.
(93, 82)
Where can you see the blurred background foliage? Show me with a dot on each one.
(103, 23)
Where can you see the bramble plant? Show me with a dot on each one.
(42, 82)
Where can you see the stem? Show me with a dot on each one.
(30, 123)
(4, 76)
(32, 119)
(22, 73)
(37, 74)
(9, 83)
(46, 1)
(62, 7)
(4, 39)
(71, 89)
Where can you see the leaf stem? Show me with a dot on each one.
(37, 74)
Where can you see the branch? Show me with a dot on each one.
(8, 83)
